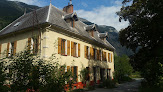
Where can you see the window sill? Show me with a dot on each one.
(63, 55)
(75, 56)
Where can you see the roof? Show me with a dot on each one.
(52, 15)
(103, 35)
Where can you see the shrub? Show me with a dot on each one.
(123, 69)
(108, 83)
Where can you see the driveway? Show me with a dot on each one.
(125, 87)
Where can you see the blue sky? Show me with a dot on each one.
(102, 12)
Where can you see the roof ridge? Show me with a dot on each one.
(48, 13)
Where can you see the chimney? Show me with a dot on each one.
(68, 9)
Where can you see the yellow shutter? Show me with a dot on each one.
(15, 45)
(91, 51)
(111, 58)
(77, 73)
(78, 50)
(68, 47)
(98, 55)
(0, 48)
(108, 57)
(68, 68)
(59, 45)
(85, 51)
(72, 70)
(8, 45)
(105, 55)
(29, 43)
(72, 48)
(38, 43)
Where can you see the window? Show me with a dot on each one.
(63, 47)
(100, 57)
(91, 32)
(95, 54)
(72, 23)
(74, 70)
(87, 52)
(35, 45)
(11, 49)
(109, 57)
(75, 49)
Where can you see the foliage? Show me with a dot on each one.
(3, 77)
(145, 32)
(108, 83)
(123, 69)
(135, 74)
(28, 71)
(84, 75)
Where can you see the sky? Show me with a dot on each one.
(101, 12)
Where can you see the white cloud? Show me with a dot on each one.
(84, 4)
(31, 2)
(104, 16)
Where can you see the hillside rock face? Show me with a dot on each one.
(11, 10)
(113, 38)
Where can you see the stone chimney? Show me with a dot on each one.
(68, 9)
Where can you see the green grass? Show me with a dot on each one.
(135, 75)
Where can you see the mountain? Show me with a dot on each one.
(11, 10)
(112, 38)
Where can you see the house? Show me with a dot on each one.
(49, 30)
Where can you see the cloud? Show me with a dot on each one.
(32, 2)
(104, 16)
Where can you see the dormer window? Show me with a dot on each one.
(103, 36)
(71, 18)
(91, 29)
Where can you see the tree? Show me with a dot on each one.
(145, 32)
(123, 69)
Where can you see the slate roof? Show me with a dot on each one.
(103, 35)
(52, 15)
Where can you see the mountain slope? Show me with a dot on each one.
(11, 10)
(113, 37)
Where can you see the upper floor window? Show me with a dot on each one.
(11, 49)
(33, 44)
(87, 52)
(109, 57)
(63, 46)
(95, 54)
(75, 49)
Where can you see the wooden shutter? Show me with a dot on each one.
(29, 43)
(8, 45)
(68, 68)
(92, 53)
(78, 50)
(111, 58)
(85, 51)
(72, 70)
(38, 43)
(59, 45)
(0, 48)
(68, 47)
(76, 73)
(108, 57)
(15, 45)
(98, 55)
(72, 48)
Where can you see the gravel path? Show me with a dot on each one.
(125, 87)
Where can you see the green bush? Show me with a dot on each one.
(123, 69)
(29, 72)
(108, 83)
(3, 77)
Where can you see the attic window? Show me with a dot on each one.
(17, 24)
